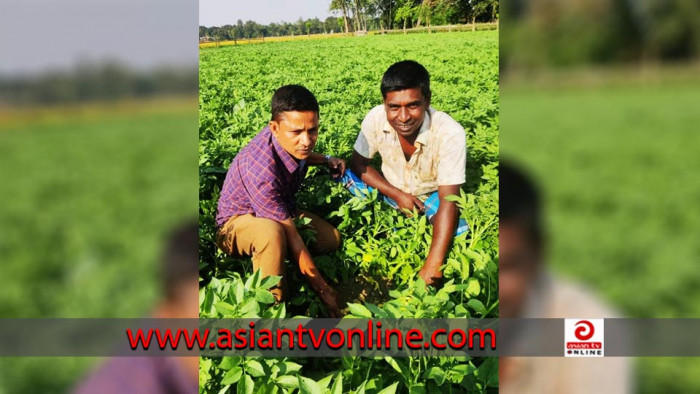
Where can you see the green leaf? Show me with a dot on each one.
(245, 386)
(254, 281)
(208, 301)
(323, 383)
(270, 282)
(417, 389)
(477, 306)
(394, 364)
(308, 386)
(238, 291)
(473, 287)
(359, 310)
(225, 309)
(488, 372)
(361, 389)
(229, 362)
(419, 288)
(232, 376)
(224, 390)
(461, 311)
(264, 296)
(288, 382)
(375, 310)
(290, 367)
(254, 368)
(390, 390)
(435, 373)
(348, 362)
(337, 387)
(249, 308)
(462, 370)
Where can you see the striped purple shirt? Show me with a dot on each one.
(263, 180)
(147, 375)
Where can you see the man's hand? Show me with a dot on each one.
(431, 274)
(444, 223)
(407, 202)
(330, 299)
(337, 166)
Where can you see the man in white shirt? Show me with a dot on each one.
(527, 289)
(423, 153)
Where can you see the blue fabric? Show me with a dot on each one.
(360, 189)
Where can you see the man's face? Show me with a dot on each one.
(518, 264)
(405, 110)
(297, 132)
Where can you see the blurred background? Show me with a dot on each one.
(599, 103)
(98, 162)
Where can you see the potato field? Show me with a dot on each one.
(375, 269)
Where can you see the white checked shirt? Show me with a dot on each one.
(440, 157)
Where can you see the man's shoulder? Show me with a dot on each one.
(375, 117)
(571, 299)
(259, 151)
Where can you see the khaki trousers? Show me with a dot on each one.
(266, 242)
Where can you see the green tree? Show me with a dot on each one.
(407, 11)
(343, 6)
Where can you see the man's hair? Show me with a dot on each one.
(406, 74)
(180, 259)
(292, 98)
(519, 200)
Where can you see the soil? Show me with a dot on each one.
(361, 289)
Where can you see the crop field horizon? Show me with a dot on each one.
(382, 250)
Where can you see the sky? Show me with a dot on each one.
(40, 35)
(227, 12)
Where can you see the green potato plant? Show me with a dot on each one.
(382, 249)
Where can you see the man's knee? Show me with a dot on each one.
(270, 235)
(326, 243)
(335, 241)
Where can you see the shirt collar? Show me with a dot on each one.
(289, 161)
(422, 137)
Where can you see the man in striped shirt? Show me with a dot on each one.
(256, 210)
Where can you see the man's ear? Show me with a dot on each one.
(274, 127)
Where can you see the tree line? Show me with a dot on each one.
(96, 81)
(363, 15)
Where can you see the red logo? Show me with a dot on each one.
(584, 330)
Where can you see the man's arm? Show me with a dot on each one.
(444, 224)
(360, 166)
(301, 255)
(336, 165)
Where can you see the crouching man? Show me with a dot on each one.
(423, 153)
(256, 210)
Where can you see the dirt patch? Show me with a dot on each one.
(362, 289)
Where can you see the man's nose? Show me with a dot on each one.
(404, 115)
(305, 139)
